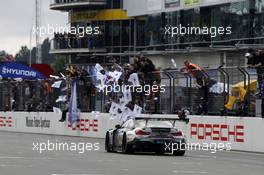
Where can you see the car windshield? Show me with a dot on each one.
(153, 123)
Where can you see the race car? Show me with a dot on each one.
(144, 134)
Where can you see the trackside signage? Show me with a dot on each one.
(89, 125)
(242, 133)
(6, 122)
(18, 70)
(217, 132)
(85, 125)
(37, 122)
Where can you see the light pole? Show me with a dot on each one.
(38, 38)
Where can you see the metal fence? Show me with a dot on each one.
(180, 92)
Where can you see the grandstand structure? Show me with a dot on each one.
(116, 37)
(130, 27)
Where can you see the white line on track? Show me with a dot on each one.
(186, 163)
(190, 172)
(247, 153)
(35, 158)
(203, 156)
(8, 136)
(250, 166)
(77, 174)
(8, 165)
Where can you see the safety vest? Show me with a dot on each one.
(196, 70)
(194, 66)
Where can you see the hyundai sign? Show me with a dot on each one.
(18, 70)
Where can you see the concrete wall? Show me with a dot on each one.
(242, 133)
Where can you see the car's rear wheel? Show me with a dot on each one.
(126, 148)
(179, 153)
(107, 143)
(180, 149)
(159, 152)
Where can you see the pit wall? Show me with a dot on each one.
(243, 133)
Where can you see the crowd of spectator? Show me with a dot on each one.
(40, 96)
(26, 96)
(148, 75)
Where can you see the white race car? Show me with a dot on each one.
(143, 134)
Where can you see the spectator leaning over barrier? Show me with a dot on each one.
(256, 60)
(202, 82)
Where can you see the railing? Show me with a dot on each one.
(67, 43)
(180, 92)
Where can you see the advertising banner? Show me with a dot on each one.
(89, 125)
(198, 3)
(191, 2)
(239, 133)
(99, 15)
(18, 70)
(145, 7)
(172, 3)
(212, 2)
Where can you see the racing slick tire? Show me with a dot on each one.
(179, 153)
(126, 148)
(107, 143)
(159, 152)
(181, 148)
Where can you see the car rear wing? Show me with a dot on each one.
(186, 120)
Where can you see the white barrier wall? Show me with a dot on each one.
(90, 125)
(245, 134)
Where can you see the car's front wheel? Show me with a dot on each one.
(126, 148)
(107, 143)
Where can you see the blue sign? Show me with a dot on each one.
(18, 70)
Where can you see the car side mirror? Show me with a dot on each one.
(117, 126)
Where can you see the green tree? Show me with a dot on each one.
(59, 64)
